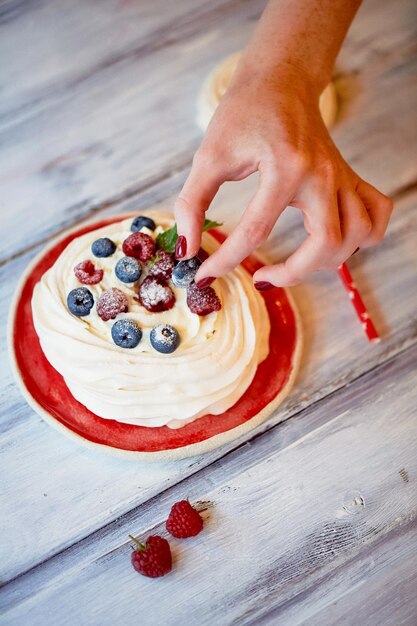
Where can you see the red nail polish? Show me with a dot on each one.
(263, 285)
(180, 247)
(205, 282)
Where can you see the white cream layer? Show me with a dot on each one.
(212, 368)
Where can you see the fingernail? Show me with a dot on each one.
(205, 282)
(357, 250)
(180, 247)
(263, 285)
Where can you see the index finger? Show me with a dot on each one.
(195, 198)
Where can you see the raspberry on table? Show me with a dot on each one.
(152, 559)
(202, 301)
(155, 295)
(87, 273)
(111, 303)
(139, 245)
(163, 266)
(184, 521)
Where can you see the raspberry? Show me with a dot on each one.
(163, 266)
(152, 559)
(184, 521)
(139, 245)
(202, 255)
(111, 303)
(202, 301)
(155, 295)
(87, 273)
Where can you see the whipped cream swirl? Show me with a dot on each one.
(211, 369)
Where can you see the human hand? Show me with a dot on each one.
(275, 127)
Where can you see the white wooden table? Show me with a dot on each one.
(309, 520)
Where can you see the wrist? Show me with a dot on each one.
(277, 80)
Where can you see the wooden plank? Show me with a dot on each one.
(389, 596)
(93, 37)
(113, 133)
(283, 524)
(336, 353)
(71, 40)
(376, 588)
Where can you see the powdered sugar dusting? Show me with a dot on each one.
(140, 246)
(112, 302)
(202, 301)
(163, 266)
(87, 273)
(163, 334)
(156, 296)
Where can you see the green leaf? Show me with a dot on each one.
(168, 239)
(209, 224)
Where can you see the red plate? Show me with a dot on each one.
(48, 394)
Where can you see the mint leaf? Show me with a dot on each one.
(167, 240)
(209, 224)
(152, 261)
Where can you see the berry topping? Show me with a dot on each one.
(165, 338)
(142, 222)
(163, 266)
(126, 333)
(103, 247)
(202, 255)
(155, 295)
(202, 301)
(184, 272)
(80, 301)
(87, 273)
(139, 245)
(128, 269)
(184, 521)
(111, 303)
(152, 559)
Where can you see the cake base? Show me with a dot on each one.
(46, 392)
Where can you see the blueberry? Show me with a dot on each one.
(103, 247)
(184, 272)
(142, 222)
(165, 338)
(126, 333)
(80, 301)
(128, 269)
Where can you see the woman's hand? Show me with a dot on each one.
(276, 129)
(269, 121)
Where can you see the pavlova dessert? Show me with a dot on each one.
(134, 338)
